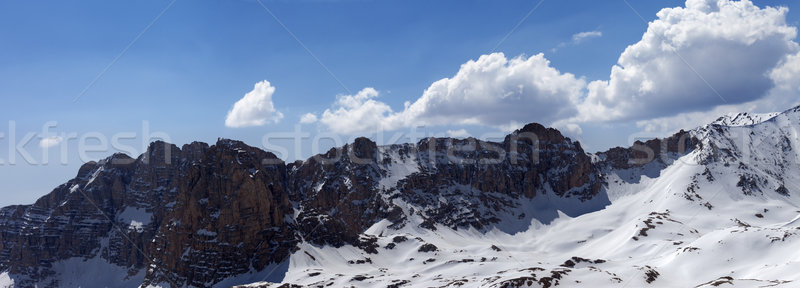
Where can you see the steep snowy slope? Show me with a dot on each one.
(743, 119)
(724, 213)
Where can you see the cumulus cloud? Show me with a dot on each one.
(573, 129)
(707, 58)
(492, 90)
(308, 118)
(52, 141)
(787, 74)
(495, 90)
(357, 113)
(694, 58)
(786, 92)
(255, 108)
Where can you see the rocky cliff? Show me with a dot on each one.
(204, 215)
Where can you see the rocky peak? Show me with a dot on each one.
(540, 133)
(161, 153)
(194, 151)
(362, 150)
(759, 150)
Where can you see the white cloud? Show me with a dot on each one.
(308, 118)
(664, 126)
(460, 133)
(573, 129)
(787, 74)
(48, 142)
(255, 108)
(688, 61)
(786, 92)
(692, 58)
(357, 113)
(579, 37)
(492, 91)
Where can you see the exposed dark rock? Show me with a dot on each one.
(642, 153)
(428, 247)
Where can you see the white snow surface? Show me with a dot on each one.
(399, 168)
(743, 119)
(6, 281)
(94, 176)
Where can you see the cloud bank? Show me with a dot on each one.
(709, 56)
(492, 90)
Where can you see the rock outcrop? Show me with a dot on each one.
(653, 150)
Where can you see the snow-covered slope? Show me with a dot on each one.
(744, 118)
(725, 213)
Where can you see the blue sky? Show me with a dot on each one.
(181, 76)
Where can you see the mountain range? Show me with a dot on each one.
(712, 206)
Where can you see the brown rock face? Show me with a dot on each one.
(200, 214)
(499, 177)
(339, 194)
(456, 183)
(68, 222)
(642, 153)
(205, 214)
(234, 215)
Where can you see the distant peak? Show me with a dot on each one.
(744, 119)
(533, 127)
(542, 133)
(228, 142)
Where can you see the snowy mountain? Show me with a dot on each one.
(702, 208)
(711, 206)
(743, 119)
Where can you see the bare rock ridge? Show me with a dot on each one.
(199, 214)
(643, 153)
